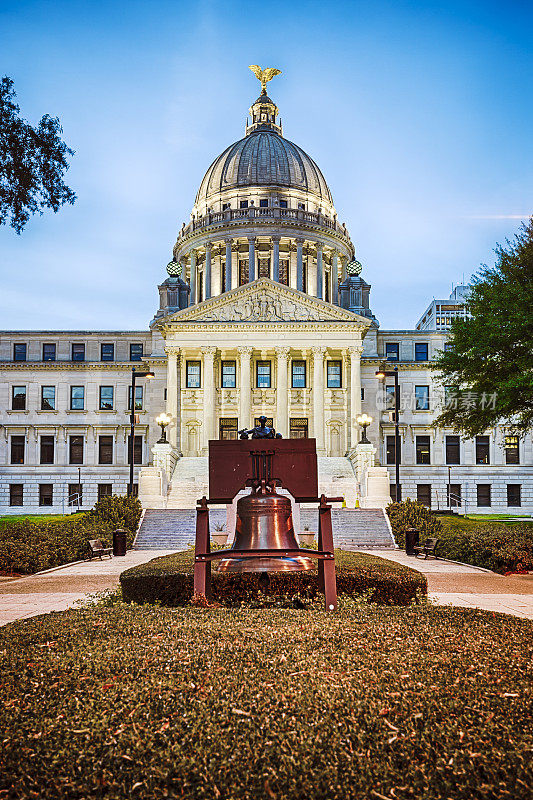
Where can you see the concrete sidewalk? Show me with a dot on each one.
(470, 587)
(63, 587)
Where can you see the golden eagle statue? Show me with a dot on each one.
(264, 75)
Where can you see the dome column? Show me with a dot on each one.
(192, 279)
(299, 265)
(319, 271)
(335, 278)
(227, 265)
(251, 258)
(275, 266)
(207, 276)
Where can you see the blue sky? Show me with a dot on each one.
(419, 115)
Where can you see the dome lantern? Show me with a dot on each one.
(264, 113)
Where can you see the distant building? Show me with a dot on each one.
(439, 315)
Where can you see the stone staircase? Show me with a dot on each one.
(172, 529)
(336, 478)
(354, 528)
(189, 483)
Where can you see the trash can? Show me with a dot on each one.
(119, 542)
(412, 538)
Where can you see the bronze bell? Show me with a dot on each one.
(264, 522)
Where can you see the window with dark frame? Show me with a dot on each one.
(514, 495)
(228, 428)
(107, 351)
(390, 398)
(392, 351)
(423, 493)
(482, 450)
(334, 374)
(243, 272)
(105, 449)
(47, 449)
(453, 495)
(75, 449)
(18, 445)
(453, 450)
(390, 444)
(269, 422)
(77, 398)
(298, 374)
(298, 428)
(512, 450)
(243, 204)
(49, 351)
(263, 267)
(46, 494)
(48, 398)
(136, 352)
(20, 350)
(263, 203)
(483, 494)
(138, 398)
(106, 398)
(263, 374)
(16, 494)
(137, 449)
(75, 494)
(421, 398)
(104, 490)
(229, 374)
(193, 374)
(422, 447)
(78, 352)
(283, 204)
(284, 271)
(18, 398)
(421, 351)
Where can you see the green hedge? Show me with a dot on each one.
(412, 514)
(169, 580)
(27, 546)
(415, 703)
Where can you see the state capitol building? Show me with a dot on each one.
(265, 311)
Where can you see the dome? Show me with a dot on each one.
(263, 158)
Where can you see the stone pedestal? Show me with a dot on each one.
(164, 457)
(374, 482)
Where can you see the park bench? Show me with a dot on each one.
(96, 546)
(428, 549)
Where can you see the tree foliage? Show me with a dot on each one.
(490, 362)
(33, 161)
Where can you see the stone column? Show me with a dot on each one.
(282, 391)
(192, 296)
(319, 271)
(275, 260)
(245, 396)
(227, 267)
(318, 399)
(335, 278)
(251, 258)
(355, 392)
(344, 263)
(208, 380)
(173, 395)
(299, 265)
(207, 271)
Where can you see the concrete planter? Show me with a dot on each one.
(306, 537)
(220, 537)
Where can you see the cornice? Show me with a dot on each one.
(83, 366)
(403, 366)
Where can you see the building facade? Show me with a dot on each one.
(264, 312)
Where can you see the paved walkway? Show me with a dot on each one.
(462, 585)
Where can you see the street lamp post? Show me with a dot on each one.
(134, 376)
(364, 421)
(382, 374)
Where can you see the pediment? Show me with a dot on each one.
(264, 301)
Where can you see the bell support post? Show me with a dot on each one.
(327, 581)
(202, 565)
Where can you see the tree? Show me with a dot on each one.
(490, 360)
(32, 163)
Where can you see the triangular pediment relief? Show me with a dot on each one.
(264, 301)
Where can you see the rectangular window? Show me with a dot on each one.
(243, 204)
(482, 450)
(284, 272)
(393, 493)
(104, 490)
(193, 374)
(421, 351)
(47, 449)
(77, 398)
(514, 494)
(334, 373)
(390, 398)
(421, 398)
(136, 352)
(48, 398)
(225, 206)
(263, 204)
(512, 453)
(283, 204)
(138, 398)
(107, 352)
(49, 352)
(391, 450)
(423, 455)
(75, 494)
(263, 376)
(298, 428)
(17, 449)
(16, 494)
(78, 352)
(483, 494)
(243, 272)
(229, 374)
(301, 206)
(392, 351)
(298, 375)
(18, 400)
(106, 398)
(46, 494)
(137, 449)
(105, 449)
(228, 428)
(453, 495)
(19, 352)
(453, 450)
(75, 449)
(264, 267)
(423, 493)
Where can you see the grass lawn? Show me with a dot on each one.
(456, 522)
(6, 520)
(373, 702)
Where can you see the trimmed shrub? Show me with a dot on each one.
(501, 548)
(169, 580)
(118, 511)
(412, 514)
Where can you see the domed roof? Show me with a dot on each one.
(263, 158)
